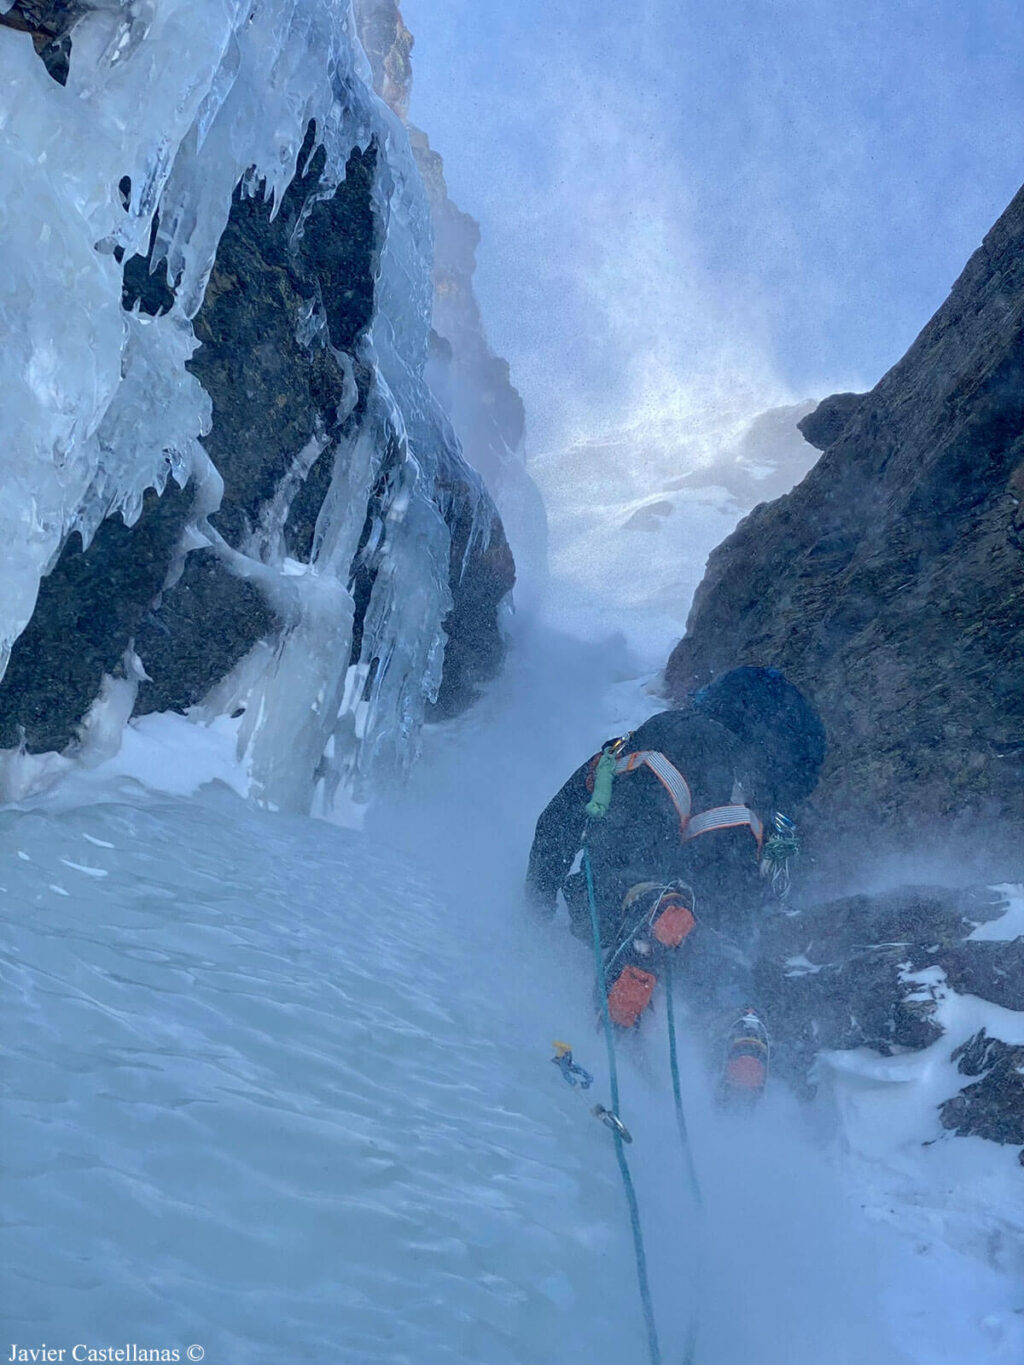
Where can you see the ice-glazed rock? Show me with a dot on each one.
(219, 290)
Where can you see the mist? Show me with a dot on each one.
(684, 206)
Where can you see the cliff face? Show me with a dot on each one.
(271, 502)
(890, 583)
(473, 383)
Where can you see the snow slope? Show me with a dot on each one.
(276, 1089)
(284, 1089)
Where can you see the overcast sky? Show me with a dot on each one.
(767, 196)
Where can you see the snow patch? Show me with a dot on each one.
(1010, 924)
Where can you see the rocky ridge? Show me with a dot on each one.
(890, 582)
(878, 971)
(889, 585)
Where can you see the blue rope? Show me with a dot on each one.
(677, 1095)
(634, 1211)
(689, 1357)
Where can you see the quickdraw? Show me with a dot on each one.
(783, 844)
(572, 1072)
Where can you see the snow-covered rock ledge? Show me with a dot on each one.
(229, 489)
(921, 984)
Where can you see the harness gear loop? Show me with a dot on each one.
(782, 845)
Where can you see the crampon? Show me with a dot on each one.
(745, 1064)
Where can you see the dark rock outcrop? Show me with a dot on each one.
(993, 1107)
(476, 645)
(870, 972)
(890, 583)
(835, 975)
(88, 611)
(181, 651)
(824, 426)
(273, 392)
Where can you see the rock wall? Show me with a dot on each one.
(473, 383)
(890, 585)
(283, 357)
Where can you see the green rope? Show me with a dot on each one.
(634, 1211)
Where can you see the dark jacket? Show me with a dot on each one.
(639, 838)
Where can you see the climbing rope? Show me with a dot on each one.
(689, 1355)
(617, 1128)
(677, 1094)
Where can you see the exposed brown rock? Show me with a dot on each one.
(993, 1107)
(48, 23)
(890, 583)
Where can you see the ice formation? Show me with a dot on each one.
(167, 108)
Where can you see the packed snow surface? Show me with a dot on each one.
(284, 1090)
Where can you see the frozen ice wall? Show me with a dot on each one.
(168, 107)
(173, 97)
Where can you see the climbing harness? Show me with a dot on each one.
(782, 845)
(572, 1072)
(732, 816)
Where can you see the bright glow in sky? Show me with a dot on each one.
(764, 199)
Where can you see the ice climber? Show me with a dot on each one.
(683, 818)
